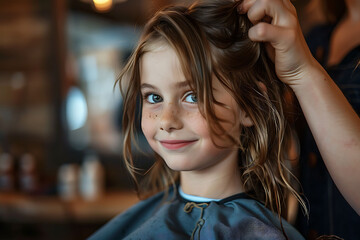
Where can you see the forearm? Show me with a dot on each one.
(333, 122)
(336, 129)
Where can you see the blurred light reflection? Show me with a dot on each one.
(76, 109)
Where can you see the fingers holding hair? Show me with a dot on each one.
(245, 6)
(277, 12)
(282, 35)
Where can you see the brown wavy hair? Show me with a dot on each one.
(211, 40)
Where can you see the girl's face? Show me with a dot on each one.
(171, 120)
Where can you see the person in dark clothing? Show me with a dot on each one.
(336, 46)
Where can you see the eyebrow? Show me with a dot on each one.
(178, 85)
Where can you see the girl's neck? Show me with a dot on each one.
(217, 183)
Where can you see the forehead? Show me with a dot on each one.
(160, 64)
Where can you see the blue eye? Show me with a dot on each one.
(191, 98)
(153, 98)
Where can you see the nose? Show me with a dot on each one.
(170, 118)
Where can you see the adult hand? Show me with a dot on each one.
(333, 123)
(276, 23)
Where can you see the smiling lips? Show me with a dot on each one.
(176, 144)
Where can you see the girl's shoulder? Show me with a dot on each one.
(248, 218)
(126, 222)
(173, 217)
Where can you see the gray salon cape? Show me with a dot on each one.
(235, 217)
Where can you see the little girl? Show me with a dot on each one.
(213, 112)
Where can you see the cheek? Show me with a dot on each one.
(231, 115)
(148, 123)
(231, 122)
(198, 124)
(201, 128)
(231, 126)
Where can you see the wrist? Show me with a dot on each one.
(313, 76)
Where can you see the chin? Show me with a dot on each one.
(179, 165)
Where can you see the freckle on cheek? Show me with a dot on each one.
(191, 115)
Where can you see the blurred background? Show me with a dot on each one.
(61, 175)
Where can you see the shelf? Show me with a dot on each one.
(20, 208)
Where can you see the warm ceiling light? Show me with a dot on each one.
(103, 5)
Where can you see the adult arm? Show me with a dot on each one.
(333, 123)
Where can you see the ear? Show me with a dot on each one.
(262, 87)
(245, 119)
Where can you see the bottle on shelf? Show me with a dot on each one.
(7, 172)
(91, 178)
(68, 181)
(28, 179)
